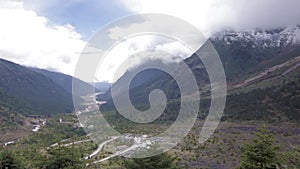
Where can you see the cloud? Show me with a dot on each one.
(39, 6)
(214, 15)
(157, 35)
(137, 50)
(29, 39)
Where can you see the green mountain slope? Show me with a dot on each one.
(65, 81)
(30, 92)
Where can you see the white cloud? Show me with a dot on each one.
(152, 33)
(137, 50)
(40, 6)
(213, 15)
(31, 40)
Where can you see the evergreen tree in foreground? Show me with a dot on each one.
(261, 152)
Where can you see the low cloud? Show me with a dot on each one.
(137, 50)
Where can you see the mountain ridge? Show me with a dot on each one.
(280, 37)
(65, 81)
(32, 92)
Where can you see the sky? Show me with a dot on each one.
(51, 34)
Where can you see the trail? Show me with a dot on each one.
(69, 144)
(137, 143)
(99, 148)
(117, 153)
(265, 74)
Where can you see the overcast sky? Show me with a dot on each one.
(51, 34)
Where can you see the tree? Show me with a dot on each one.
(8, 161)
(64, 157)
(291, 158)
(161, 161)
(261, 152)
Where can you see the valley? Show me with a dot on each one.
(40, 128)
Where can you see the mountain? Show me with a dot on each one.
(246, 53)
(28, 92)
(265, 58)
(281, 37)
(65, 81)
(140, 83)
(102, 86)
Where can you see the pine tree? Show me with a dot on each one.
(261, 152)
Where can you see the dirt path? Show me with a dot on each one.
(99, 148)
(265, 74)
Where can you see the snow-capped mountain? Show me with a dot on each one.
(262, 38)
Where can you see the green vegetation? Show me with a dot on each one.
(240, 58)
(161, 161)
(9, 119)
(64, 157)
(35, 151)
(291, 159)
(261, 152)
(222, 150)
(276, 103)
(27, 92)
(8, 160)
